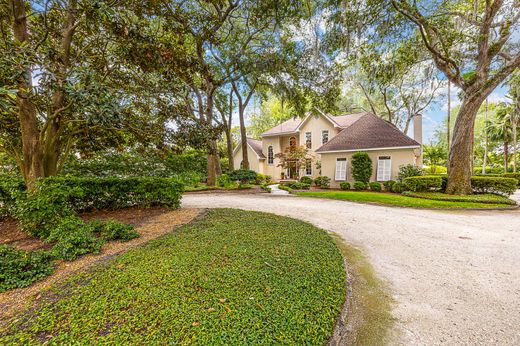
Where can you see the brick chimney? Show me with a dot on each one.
(417, 135)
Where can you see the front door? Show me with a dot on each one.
(292, 172)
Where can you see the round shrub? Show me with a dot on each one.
(243, 175)
(223, 180)
(345, 185)
(317, 181)
(388, 185)
(306, 180)
(359, 185)
(375, 186)
(361, 167)
(408, 171)
(398, 187)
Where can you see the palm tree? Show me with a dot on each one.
(500, 130)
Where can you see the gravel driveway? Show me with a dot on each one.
(454, 275)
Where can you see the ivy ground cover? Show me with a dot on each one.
(233, 277)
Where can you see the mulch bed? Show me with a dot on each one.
(10, 232)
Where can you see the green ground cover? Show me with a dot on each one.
(232, 277)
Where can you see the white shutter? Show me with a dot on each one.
(341, 169)
(384, 168)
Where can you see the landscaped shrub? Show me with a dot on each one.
(361, 167)
(359, 185)
(388, 185)
(243, 175)
(435, 170)
(306, 180)
(266, 188)
(423, 183)
(409, 170)
(285, 187)
(483, 184)
(375, 186)
(398, 187)
(322, 182)
(113, 230)
(514, 176)
(297, 185)
(21, 268)
(344, 185)
(223, 180)
(10, 188)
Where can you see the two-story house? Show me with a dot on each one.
(330, 142)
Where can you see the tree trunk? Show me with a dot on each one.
(229, 144)
(506, 156)
(514, 146)
(243, 138)
(461, 151)
(31, 163)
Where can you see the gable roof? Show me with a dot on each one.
(288, 126)
(368, 132)
(254, 144)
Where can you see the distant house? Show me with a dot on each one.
(331, 141)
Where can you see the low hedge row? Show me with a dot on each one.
(480, 184)
(477, 198)
(298, 186)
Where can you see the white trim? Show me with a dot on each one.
(239, 146)
(340, 172)
(279, 134)
(384, 168)
(367, 149)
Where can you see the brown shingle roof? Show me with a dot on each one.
(368, 131)
(256, 145)
(347, 120)
(287, 126)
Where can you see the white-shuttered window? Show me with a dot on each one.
(341, 169)
(384, 168)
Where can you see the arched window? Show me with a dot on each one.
(292, 142)
(270, 155)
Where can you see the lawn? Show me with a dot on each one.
(232, 277)
(403, 201)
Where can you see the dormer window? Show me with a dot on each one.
(324, 136)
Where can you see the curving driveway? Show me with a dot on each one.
(455, 275)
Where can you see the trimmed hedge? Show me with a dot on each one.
(306, 180)
(423, 183)
(359, 185)
(361, 167)
(297, 185)
(243, 175)
(483, 184)
(322, 181)
(375, 186)
(514, 176)
(476, 198)
(345, 185)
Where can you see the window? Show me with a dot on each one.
(292, 142)
(270, 155)
(308, 167)
(341, 169)
(324, 136)
(308, 140)
(384, 168)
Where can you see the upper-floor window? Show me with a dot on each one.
(292, 142)
(308, 140)
(270, 155)
(324, 136)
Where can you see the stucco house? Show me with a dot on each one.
(331, 141)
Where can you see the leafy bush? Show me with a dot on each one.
(361, 167)
(344, 185)
(21, 268)
(113, 230)
(375, 186)
(243, 175)
(322, 181)
(398, 187)
(388, 185)
(407, 171)
(306, 180)
(285, 187)
(483, 184)
(11, 187)
(423, 183)
(359, 185)
(476, 198)
(297, 185)
(514, 176)
(266, 188)
(73, 238)
(224, 180)
(437, 170)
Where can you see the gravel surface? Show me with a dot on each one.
(455, 275)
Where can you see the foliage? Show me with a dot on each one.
(375, 186)
(263, 179)
(322, 182)
(295, 157)
(476, 198)
(400, 200)
(306, 180)
(388, 185)
(423, 183)
(398, 187)
(113, 230)
(361, 167)
(435, 170)
(359, 185)
(297, 185)
(20, 268)
(344, 185)
(272, 113)
(243, 175)
(409, 170)
(512, 175)
(10, 188)
(244, 270)
(224, 180)
(483, 184)
(435, 155)
(285, 187)
(265, 188)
